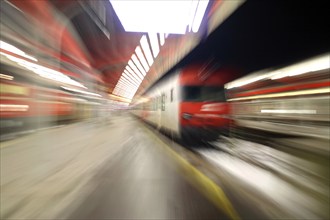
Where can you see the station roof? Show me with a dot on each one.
(250, 35)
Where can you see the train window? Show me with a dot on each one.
(163, 102)
(203, 93)
(171, 95)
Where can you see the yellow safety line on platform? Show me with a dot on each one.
(210, 189)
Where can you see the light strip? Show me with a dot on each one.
(311, 65)
(284, 94)
(127, 78)
(288, 111)
(128, 84)
(123, 83)
(137, 79)
(131, 78)
(146, 49)
(14, 108)
(154, 43)
(132, 65)
(202, 5)
(138, 64)
(132, 72)
(44, 71)
(81, 91)
(118, 97)
(140, 55)
(15, 50)
(4, 76)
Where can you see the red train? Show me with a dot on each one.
(189, 103)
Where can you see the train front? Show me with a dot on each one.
(203, 109)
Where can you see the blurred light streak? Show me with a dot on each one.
(13, 107)
(291, 111)
(4, 76)
(81, 91)
(119, 98)
(284, 94)
(15, 50)
(44, 71)
(311, 65)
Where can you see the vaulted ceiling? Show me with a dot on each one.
(89, 39)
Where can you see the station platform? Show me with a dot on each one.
(107, 169)
(120, 168)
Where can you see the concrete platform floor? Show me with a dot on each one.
(110, 169)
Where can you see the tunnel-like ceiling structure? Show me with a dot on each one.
(92, 44)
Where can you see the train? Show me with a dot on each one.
(198, 104)
(189, 103)
(292, 100)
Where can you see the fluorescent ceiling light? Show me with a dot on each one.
(146, 49)
(153, 16)
(154, 43)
